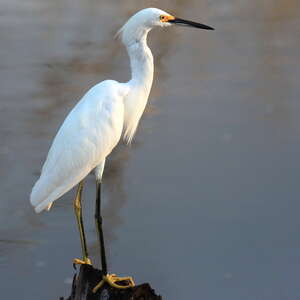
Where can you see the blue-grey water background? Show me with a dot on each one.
(205, 203)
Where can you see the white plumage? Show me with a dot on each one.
(95, 125)
(88, 134)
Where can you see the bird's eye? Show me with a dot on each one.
(162, 18)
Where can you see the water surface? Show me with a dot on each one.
(205, 203)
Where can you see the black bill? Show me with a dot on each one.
(183, 22)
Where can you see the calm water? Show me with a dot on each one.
(207, 196)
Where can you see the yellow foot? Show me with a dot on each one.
(85, 261)
(112, 280)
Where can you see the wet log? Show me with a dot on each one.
(88, 277)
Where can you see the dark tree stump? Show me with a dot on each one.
(88, 278)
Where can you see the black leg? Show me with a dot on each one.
(111, 279)
(98, 220)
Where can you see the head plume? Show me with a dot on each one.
(140, 24)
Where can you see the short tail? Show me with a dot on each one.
(47, 189)
(42, 196)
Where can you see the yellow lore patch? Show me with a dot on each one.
(166, 18)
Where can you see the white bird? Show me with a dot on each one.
(95, 125)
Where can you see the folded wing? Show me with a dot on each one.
(89, 133)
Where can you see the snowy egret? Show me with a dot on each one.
(95, 125)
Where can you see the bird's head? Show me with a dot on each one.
(137, 27)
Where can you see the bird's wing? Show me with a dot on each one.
(89, 133)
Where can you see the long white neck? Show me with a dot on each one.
(141, 62)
